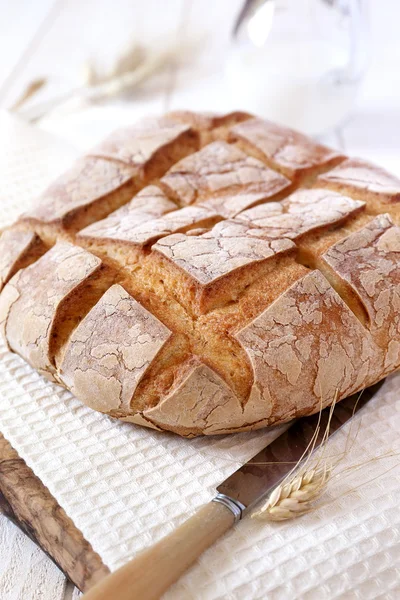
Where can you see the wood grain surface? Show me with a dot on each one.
(28, 503)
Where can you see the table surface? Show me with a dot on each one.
(54, 38)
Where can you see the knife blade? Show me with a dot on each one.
(151, 573)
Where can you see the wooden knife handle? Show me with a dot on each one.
(152, 572)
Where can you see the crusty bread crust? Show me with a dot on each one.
(206, 274)
(18, 249)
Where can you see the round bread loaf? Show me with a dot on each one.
(208, 274)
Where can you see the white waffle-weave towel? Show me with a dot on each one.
(125, 487)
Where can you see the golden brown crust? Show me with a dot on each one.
(215, 261)
(208, 121)
(151, 229)
(149, 203)
(112, 173)
(210, 126)
(318, 241)
(294, 155)
(194, 399)
(230, 205)
(227, 247)
(202, 289)
(306, 347)
(361, 179)
(18, 249)
(32, 303)
(150, 147)
(110, 350)
(220, 169)
(201, 403)
(302, 212)
(368, 261)
(91, 189)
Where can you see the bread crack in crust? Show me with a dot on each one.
(289, 152)
(206, 274)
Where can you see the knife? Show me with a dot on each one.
(152, 572)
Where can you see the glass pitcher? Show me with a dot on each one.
(299, 62)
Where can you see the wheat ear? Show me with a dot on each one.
(295, 498)
(302, 486)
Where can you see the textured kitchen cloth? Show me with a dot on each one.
(125, 487)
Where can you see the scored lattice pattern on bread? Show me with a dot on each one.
(206, 274)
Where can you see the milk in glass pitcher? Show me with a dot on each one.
(298, 62)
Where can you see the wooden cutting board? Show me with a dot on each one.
(28, 503)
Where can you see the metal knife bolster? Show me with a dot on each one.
(268, 468)
(234, 506)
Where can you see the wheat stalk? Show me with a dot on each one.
(31, 89)
(294, 498)
(302, 486)
(131, 69)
